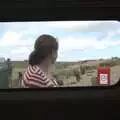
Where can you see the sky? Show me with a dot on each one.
(78, 40)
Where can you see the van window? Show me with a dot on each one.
(78, 53)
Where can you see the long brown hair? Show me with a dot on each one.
(44, 46)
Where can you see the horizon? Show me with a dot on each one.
(78, 40)
(73, 61)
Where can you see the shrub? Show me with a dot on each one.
(110, 63)
(60, 82)
(115, 58)
(82, 70)
(89, 74)
(73, 82)
(56, 76)
(59, 77)
(77, 75)
(60, 65)
(88, 67)
(94, 67)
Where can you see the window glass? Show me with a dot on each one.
(67, 53)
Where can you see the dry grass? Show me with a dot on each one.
(64, 72)
(71, 80)
(15, 82)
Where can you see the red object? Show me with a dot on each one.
(103, 76)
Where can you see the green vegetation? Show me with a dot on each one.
(110, 63)
(82, 69)
(69, 72)
(19, 64)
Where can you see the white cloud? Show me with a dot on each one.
(21, 46)
(14, 39)
(106, 29)
(85, 26)
(24, 47)
(25, 28)
(85, 43)
(71, 59)
(20, 53)
(21, 50)
(10, 38)
(70, 24)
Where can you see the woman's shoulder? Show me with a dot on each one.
(40, 72)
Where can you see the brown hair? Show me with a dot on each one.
(44, 46)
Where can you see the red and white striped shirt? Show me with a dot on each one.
(34, 77)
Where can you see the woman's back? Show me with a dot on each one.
(34, 77)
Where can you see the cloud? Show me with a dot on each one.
(12, 45)
(25, 28)
(10, 38)
(20, 53)
(85, 26)
(106, 29)
(20, 37)
(14, 39)
(67, 25)
(85, 43)
(22, 48)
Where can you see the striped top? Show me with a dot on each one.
(34, 77)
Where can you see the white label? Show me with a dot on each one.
(103, 78)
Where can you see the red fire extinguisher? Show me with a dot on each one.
(103, 76)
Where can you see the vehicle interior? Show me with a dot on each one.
(78, 102)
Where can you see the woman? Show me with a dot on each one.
(40, 63)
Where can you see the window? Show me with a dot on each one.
(87, 55)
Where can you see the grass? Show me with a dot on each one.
(15, 72)
(19, 64)
(66, 73)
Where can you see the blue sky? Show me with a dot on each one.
(78, 40)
